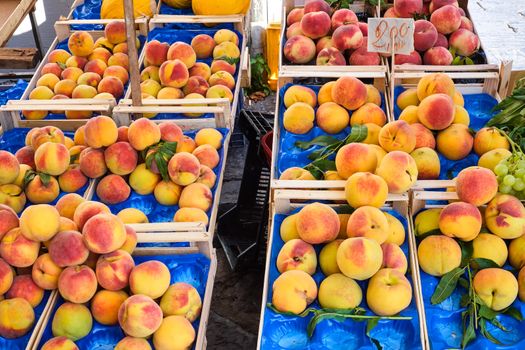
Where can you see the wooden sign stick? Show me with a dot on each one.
(392, 60)
(134, 73)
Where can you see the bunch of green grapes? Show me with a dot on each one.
(511, 175)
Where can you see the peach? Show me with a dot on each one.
(64, 87)
(58, 56)
(13, 196)
(59, 343)
(196, 195)
(119, 59)
(113, 189)
(407, 8)
(121, 158)
(497, 288)
(460, 220)
(170, 93)
(343, 17)
(162, 339)
(131, 240)
(67, 204)
(105, 306)
(368, 113)
(24, 287)
(407, 98)
(296, 173)
(389, 292)
(299, 118)
(92, 163)
(489, 138)
(86, 210)
(84, 91)
(199, 85)
(373, 95)
(296, 254)
(111, 85)
(8, 220)
(95, 66)
(207, 155)
(396, 230)
(88, 78)
(16, 317)
(167, 193)
(130, 343)
(151, 87)
(52, 158)
(355, 157)
(104, 233)
(427, 162)
(66, 225)
(203, 45)
(373, 131)
(17, 250)
(413, 58)
(7, 274)
(294, 16)
(394, 258)
(72, 320)
(80, 43)
(24, 170)
(359, 257)
(492, 247)
(38, 93)
(184, 168)
(461, 115)
(9, 168)
(191, 215)
(505, 216)
(226, 51)
(41, 191)
(293, 291)
(150, 72)
(476, 185)
(492, 158)
(298, 93)
(368, 222)
(221, 78)
(142, 180)
(397, 136)
(339, 292)
(426, 221)
(465, 42)
(347, 37)
(455, 142)
(424, 137)
(183, 52)
(366, 189)
(48, 80)
(425, 35)
(115, 32)
(332, 118)
(143, 133)
(299, 49)
(436, 112)
(32, 219)
(330, 57)
(25, 155)
(466, 24)
(76, 62)
(99, 53)
(132, 216)
(349, 92)
(435, 83)
(441, 41)
(181, 299)
(323, 43)
(45, 272)
(68, 249)
(446, 19)
(216, 66)
(288, 229)
(317, 223)
(437, 56)
(150, 278)
(317, 5)
(399, 170)
(325, 93)
(361, 57)
(113, 270)
(170, 132)
(438, 255)
(77, 284)
(155, 53)
(118, 72)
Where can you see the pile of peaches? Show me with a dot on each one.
(496, 232)
(361, 246)
(173, 72)
(331, 38)
(75, 247)
(447, 28)
(91, 69)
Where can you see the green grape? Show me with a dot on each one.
(521, 164)
(505, 189)
(519, 185)
(520, 172)
(509, 180)
(501, 169)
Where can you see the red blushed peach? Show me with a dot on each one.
(26, 155)
(390, 13)
(16, 318)
(24, 287)
(95, 66)
(76, 62)
(59, 343)
(476, 185)
(196, 195)
(460, 220)
(294, 16)
(9, 168)
(465, 42)
(407, 8)
(298, 93)
(317, 223)
(365, 189)
(183, 52)
(399, 170)
(441, 41)
(68, 249)
(413, 58)
(427, 162)
(221, 65)
(397, 136)
(118, 72)
(369, 222)
(436, 112)
(72, 179)
(89, 78)
(323, 43)
(92, 163)
(455, 142)
(184, 168)
(140, 316)
(435, 83)
(170, 132)
(130, 343)
(52, 68)
(299, 49)
(222, 78)
(104, 233)
(466, 24)
(393, 257)
(58, 56)
(349, 92)
(52, 158)
(100, 53)
(315, 24)
(67, 204)
(6, 276)
(207, 155)
(77, 284)
(86, 210)
(151, 278)
(446, 19)
(353, 158)
(45, 272)
(201, 69)
(122, 134)
(113, 189)
(64, 89)
(8, 220)
(17, 250)
(113, 270)
(361, 57)
(150, 72)
(119, 59)
(424, 137)
(347, 37)
(105, 306)
(438, 55)
(342, 17)
(330, 57)
(203, 45)
(196, 84)
(38, 192)
(100, 132)
(155, 53)
(174, 73)
(143, 133)
(187, 144)
(184, 300)
(207, 176)
(425, 35)
(317, 5)
(111, 85)
(131, 240)
(294, 29)
(121, 158)
(115, 32)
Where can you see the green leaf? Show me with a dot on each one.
(324, 165)
(469, 333)
(357, 134)
(467, 249)
(482, 263)
(469, 61)
(484, 331)
(323, 140)
(456, 61)
(446, 285)
(45, 178)
(514, 313)
(28, 177)
(370, 325)
(228, 59)
(452, 52)
(302, 314)
(61, 65)
(486, 312)
(74, 158)
(463, 283)
(317, 173)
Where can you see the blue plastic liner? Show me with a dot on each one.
(189, 268)
(291, 156)
(289, 332)
(155, 211)
(445, 327)
(21, 343)
(13, 93)
(173, 35)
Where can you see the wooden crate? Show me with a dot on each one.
(286, 201)
(292, 70)
(199, 243)
(379, 81)
(77, 3)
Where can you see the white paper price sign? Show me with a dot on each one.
(386, 35)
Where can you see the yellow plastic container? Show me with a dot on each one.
(273, 35)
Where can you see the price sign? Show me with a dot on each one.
(391, 34)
